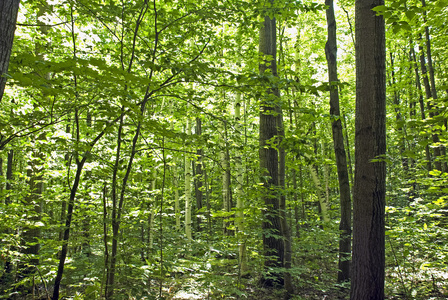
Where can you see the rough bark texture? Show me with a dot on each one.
(8, 18)
(339, 149)
(370, 147)
(272, 241)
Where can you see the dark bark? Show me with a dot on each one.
(440, 149)
(339, 149)
(430, 106)
(8, 18)
(68, 222)
(368, 263)
(115, 221)
(272, 242)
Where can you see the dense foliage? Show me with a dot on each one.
(129, 163)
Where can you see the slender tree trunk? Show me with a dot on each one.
(239, 218)
(370, 147)
(339, 149)
(8, 18)
(320, 194)
(105, 236)
(421, 102)
(442, 150)
(115, 225)
(176, 194)
(226, 192)
(198, 178)
(9, 164)
(70, 207)
(188, 203)
(66, 187)
(285, 229)
(430, 107)
(151, 214)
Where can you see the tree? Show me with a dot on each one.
(339, 149)
(269, 161)
(8, 17)
(370, 148)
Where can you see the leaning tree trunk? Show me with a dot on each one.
(339, 149)
(8, 18)
(370, 148)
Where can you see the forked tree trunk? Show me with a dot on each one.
(370, 147)
(339, 149)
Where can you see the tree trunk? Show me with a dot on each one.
(370, 148)
(272, 242)
(339, 149)
(8, 18)
(198, 178)
(421, 103)
(430, 106)
(188, 204)
(285, 229)
(320, 194)
(239, 217)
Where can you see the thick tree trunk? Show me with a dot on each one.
(370, 148)
(339, 149)
(8, 18)
(272, 242)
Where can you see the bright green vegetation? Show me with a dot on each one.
(129, 145)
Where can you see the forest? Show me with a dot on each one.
(185, 149)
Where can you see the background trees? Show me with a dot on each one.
(144, 120)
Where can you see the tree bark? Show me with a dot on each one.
(370, 148)
(272, 242)
(339, 148)
(8, 18)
